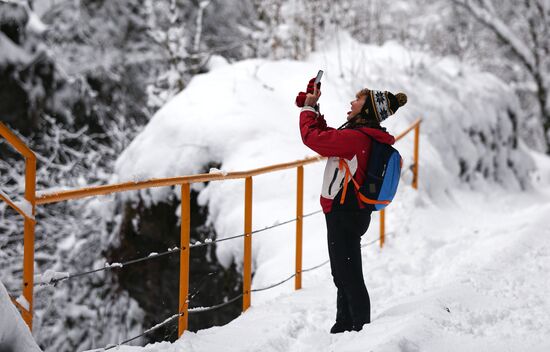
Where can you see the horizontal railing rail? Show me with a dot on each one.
(59, 196)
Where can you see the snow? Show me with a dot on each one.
(5, 195)
(113, 265)
(11, 53)
(466, 255)
(35, 24)
(14, 333)
(215, 171)
(487, 15)
(50, 275)
(23, 302)
(216, 61)
(24, 205)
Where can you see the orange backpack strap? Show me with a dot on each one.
(371, 201)
(343, 164)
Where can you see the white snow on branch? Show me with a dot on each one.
(198, 34)
(487, 15)
(35, 24)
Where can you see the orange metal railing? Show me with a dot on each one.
(184, 182)
(28, 232)
(184, 256)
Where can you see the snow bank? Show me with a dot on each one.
(14, 333)
(243, 116)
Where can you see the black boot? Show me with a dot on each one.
(341, 326)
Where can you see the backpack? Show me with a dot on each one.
(381, 177)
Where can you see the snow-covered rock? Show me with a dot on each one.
(15, 336)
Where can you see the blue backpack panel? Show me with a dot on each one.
(382, 175)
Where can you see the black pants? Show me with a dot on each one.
(344, 231)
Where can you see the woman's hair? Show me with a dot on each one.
(363, 92)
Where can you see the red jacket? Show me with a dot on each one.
(348, 145)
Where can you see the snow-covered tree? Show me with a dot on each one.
(524, 28)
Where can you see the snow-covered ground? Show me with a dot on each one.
(468, 275)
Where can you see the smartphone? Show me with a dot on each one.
(318, 78)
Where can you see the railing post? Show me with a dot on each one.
(28, 240)
(415, 169)
(247, 256)
(299, 226)
(184, 257)
(382, 227)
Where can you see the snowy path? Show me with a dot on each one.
(470, 275)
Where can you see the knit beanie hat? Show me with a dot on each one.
(379, 105)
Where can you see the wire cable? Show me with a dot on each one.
(156, 327)
(211, 308)
(55, 281)
(273, 285)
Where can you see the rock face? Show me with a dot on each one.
(148, 228)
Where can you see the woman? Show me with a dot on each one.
(346, 216)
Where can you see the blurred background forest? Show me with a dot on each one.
(80, 78)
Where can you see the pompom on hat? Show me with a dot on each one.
(379, 105)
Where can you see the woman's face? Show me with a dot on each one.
(356, 106)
